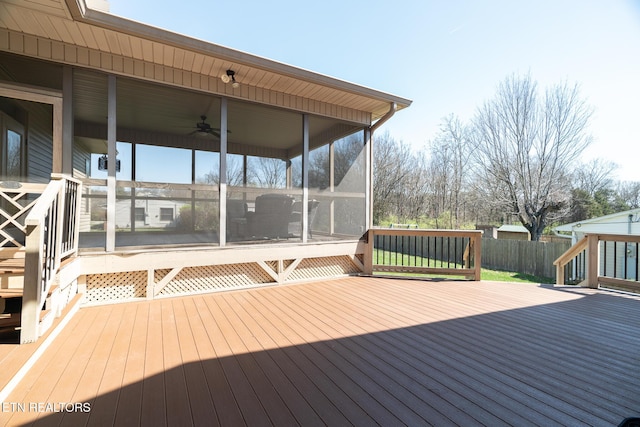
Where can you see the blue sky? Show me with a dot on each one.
(447, 56)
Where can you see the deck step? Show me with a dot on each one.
(10, 293)
(12, 261)
(9, 321)
(11, 308)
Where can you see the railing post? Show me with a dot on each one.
(60, 219)
(368, 253)
(560, 273)
(477, 256)
(32, 294)
(593, 260)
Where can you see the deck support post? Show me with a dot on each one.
(111, 165)
(32, 294)
(593, 260)
(305, 177)
(477, 257)
(223, 172)
(332, 188)
(368, 253)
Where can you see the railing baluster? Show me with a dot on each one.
(626, 253)
(615, 259)
(637, 257)
(405, 250)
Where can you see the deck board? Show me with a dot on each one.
(359, 351)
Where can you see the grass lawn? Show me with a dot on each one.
(510, 276)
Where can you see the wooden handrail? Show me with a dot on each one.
(472, 250)
(51, 225)
(590, 245)
(571, 253)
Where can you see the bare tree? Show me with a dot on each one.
(595, 175)
(449, 167)
(235, 174)
(393, 162)
(629, 192)
(526, 145)
(267, 172)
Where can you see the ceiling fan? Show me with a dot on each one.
(203, 128)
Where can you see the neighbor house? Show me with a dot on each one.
(169, 165)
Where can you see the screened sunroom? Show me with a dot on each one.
(172, 148)
(181, 166)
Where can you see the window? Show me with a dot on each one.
(140, 214)
(166, 214)
(12, 150)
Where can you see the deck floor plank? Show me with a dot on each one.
(110, 384)
(27, 392)
(354, 351)
(272, 404)
(329, 357)
(410, 367)
(225, 404)
(246, 398)
(201, 405)
(555, 345)
(469, 382)
(129, 408)
(331, 399)
(178, 408)
(154, 405)
(89, 382)
(249, 333)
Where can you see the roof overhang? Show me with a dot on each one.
(114, 43)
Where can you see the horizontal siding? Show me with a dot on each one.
(40, 141)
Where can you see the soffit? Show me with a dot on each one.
(52, 19)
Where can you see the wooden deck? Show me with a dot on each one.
(355, 351)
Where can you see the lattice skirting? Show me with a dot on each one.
(321, 268)
(112, 287)
(116, 287)
(214, 278)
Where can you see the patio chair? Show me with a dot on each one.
(270, 219)
(236, 218)
(295, 223)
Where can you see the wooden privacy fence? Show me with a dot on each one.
(432, 252)
(522, 256)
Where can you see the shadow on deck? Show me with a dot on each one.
(358, 351)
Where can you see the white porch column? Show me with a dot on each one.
(223, 172)
(368, 188)
(332, 188)
(305, 177)
(111, 165)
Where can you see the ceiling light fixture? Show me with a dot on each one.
(230, 76)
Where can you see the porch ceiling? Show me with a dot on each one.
(65, 22)
(150, 110)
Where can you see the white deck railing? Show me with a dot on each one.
(51, 233)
